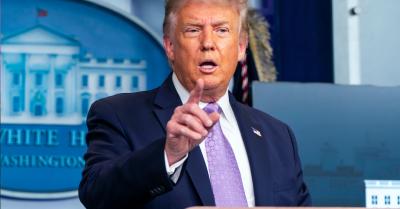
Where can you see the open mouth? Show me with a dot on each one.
(208, 66)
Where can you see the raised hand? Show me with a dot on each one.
(188, 126)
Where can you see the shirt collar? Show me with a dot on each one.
(223, 102)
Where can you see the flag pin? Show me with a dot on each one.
(257, 132)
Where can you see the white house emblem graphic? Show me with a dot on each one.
(48, 85)
(44, 77)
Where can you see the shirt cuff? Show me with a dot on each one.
(174, 170)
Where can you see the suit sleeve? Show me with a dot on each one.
(116, 175)
(303, 195)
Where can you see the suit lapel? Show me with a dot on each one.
(166, 100)
(197, 170)
(257, 151)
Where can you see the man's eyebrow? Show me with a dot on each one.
(198, 23)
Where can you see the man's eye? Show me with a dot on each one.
(222, 30)
(191, 30)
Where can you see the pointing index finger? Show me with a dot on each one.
(197, 92)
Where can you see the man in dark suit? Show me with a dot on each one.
(189, 142)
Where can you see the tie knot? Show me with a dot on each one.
(212, 107)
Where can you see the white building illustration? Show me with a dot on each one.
(382, 194)
(45, 80)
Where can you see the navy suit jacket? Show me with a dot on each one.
(125, 165)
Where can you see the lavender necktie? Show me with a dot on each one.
(224, 172)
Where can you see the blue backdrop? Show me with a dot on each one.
(346, 134)
(301, 38)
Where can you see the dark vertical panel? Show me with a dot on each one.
(302, 39)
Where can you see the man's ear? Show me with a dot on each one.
(243, 42)
(168, 47)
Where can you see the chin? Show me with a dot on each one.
(214, 86)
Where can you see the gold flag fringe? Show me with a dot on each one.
(259, 42)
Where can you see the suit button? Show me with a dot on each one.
(152, 192)
(160, 189)
(157, 191)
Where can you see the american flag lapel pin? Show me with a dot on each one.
(256, 132)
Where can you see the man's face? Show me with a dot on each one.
(205, 44)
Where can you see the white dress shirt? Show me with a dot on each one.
(231, 131)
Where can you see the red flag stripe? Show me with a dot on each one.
(41, 12)
(245, 82)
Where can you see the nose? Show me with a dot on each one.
(208, 43)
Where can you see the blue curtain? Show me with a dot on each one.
(302, 39)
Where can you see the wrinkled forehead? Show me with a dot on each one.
(203, 12)
(208, 15)
(185, 3)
